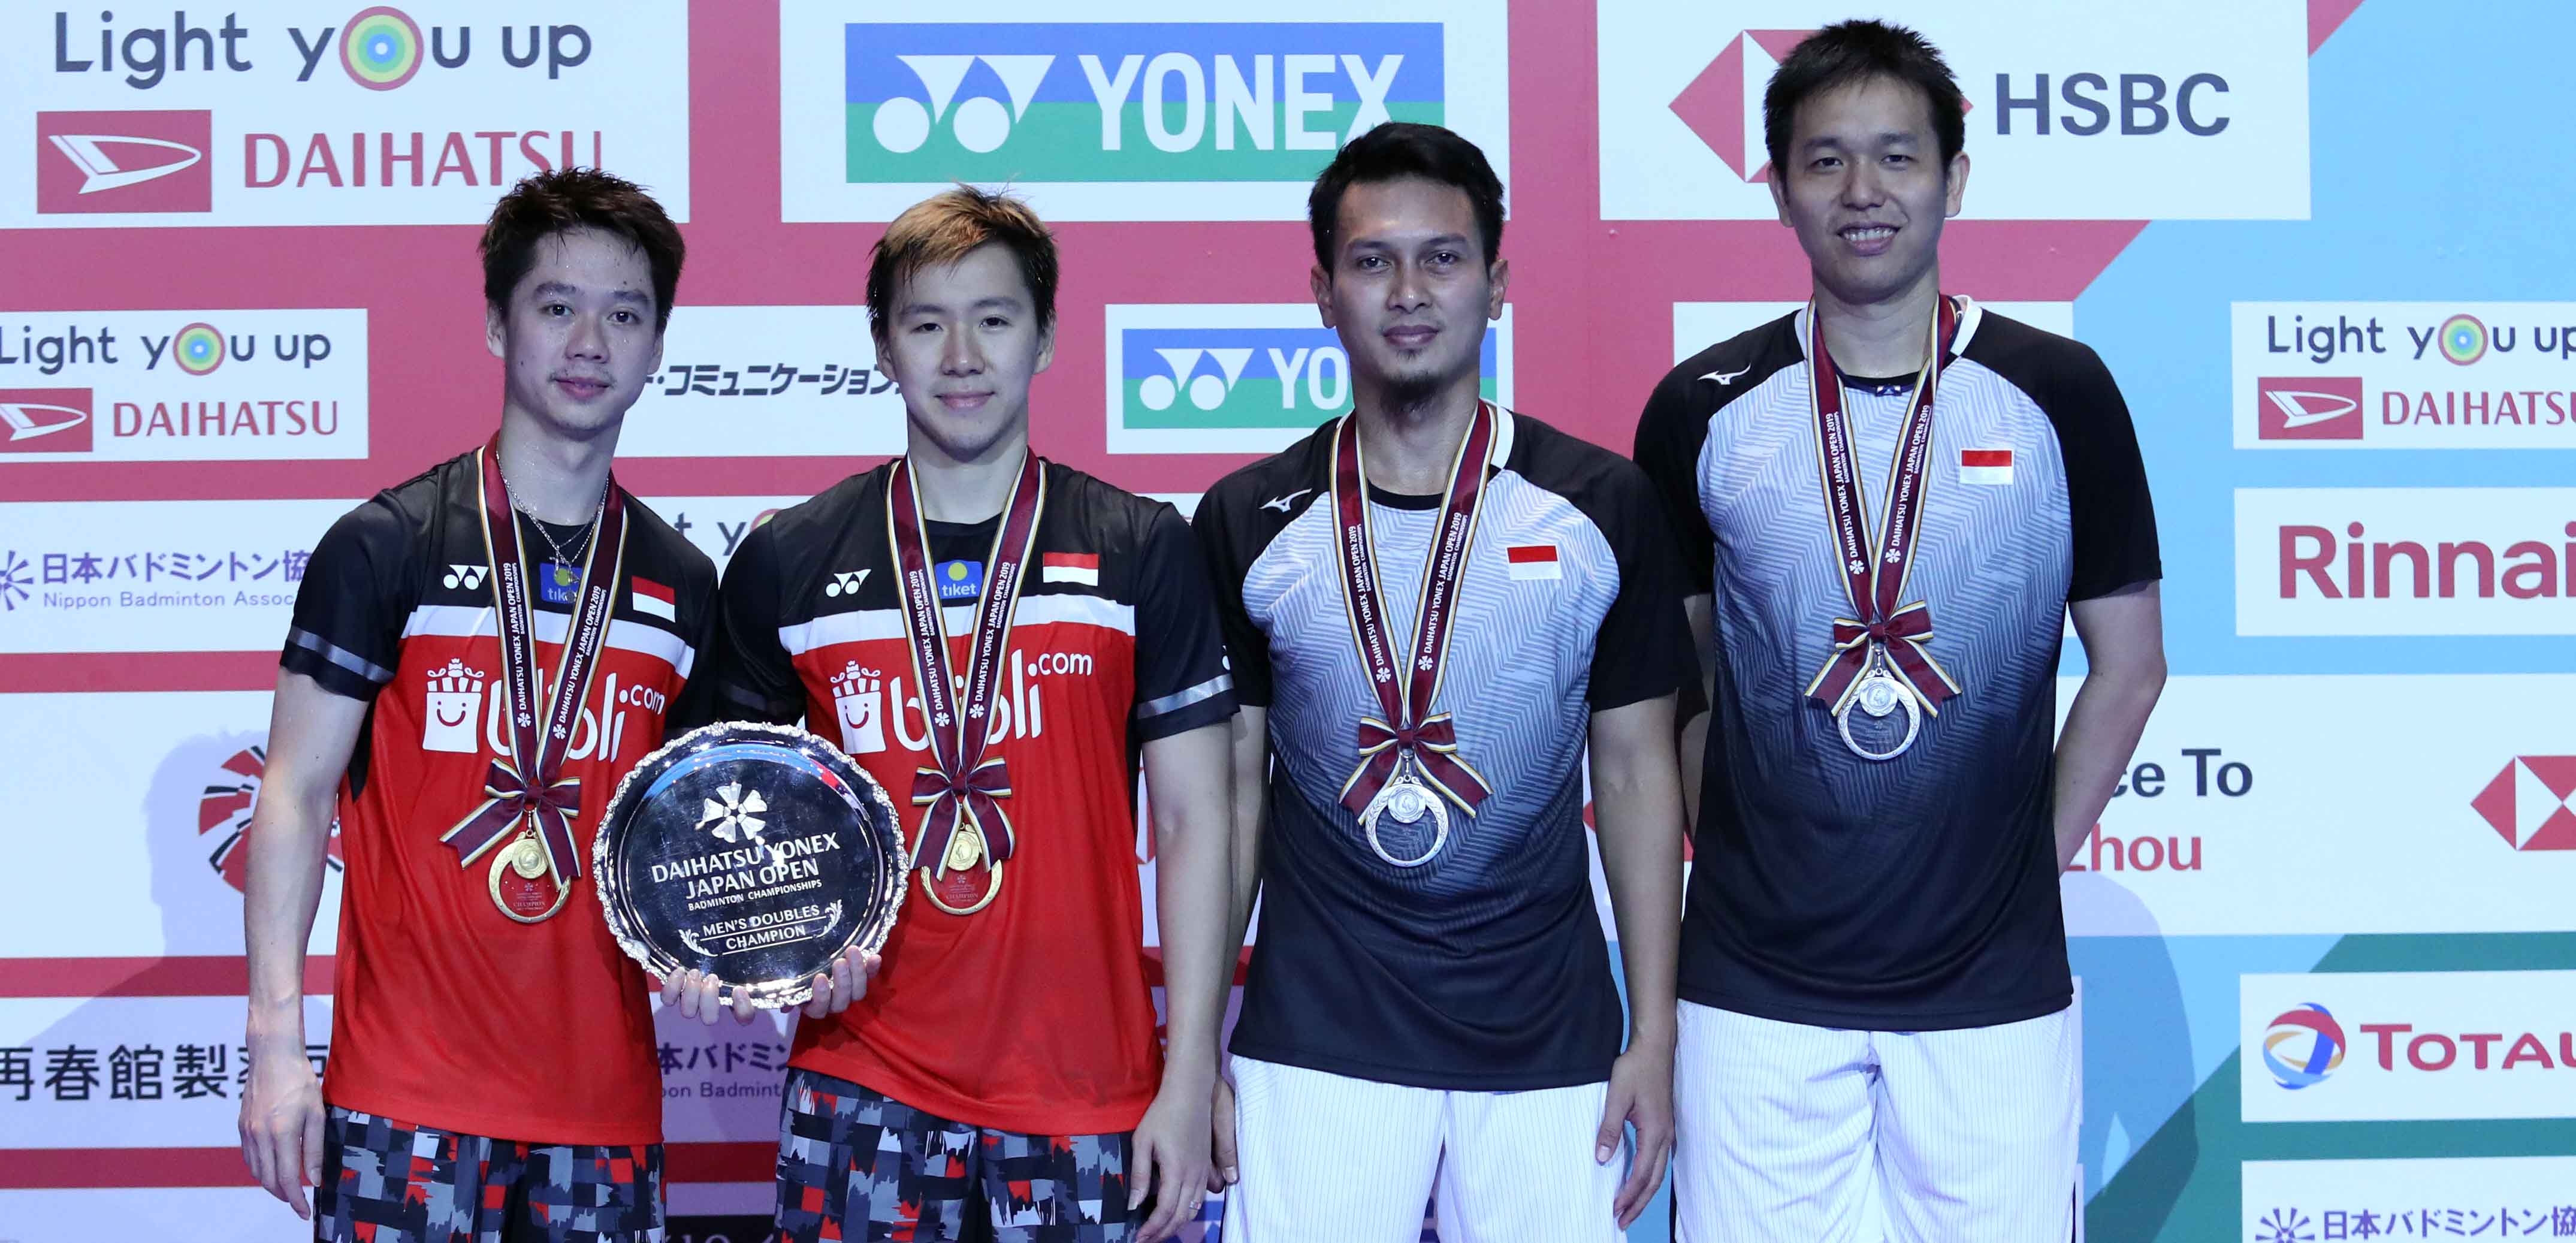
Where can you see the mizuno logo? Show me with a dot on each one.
(101, 171)
(1281, 503)
(1728, 377)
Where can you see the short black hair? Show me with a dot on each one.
(1398, 149)
(1858, 51)
(563, 199)
(943, 229)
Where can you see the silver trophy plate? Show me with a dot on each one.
(755, 853)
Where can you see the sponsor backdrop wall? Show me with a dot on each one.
(2321, 930)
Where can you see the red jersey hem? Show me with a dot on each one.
(517, 1128)
(1115, 1119)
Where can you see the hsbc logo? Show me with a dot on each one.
(2308, 408)
(88, 162)
(44, 420)
(2532, 803)
(1723, 105)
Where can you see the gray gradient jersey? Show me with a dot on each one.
(1917, 893)
(1483, 969)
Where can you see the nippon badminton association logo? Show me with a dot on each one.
(2303, 1046)
(91, 162)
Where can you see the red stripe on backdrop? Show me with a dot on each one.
(59, 672)
(27, 1169)
(191, 976)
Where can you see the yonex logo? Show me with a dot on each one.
(2308, 408)
(124, 162)
(1127, 101)
(468, 577)
(1206, 391)
(845, 583)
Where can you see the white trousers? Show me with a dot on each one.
(1801, 1134)
(1329, 1157)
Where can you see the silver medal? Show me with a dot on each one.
(1405, 801)
(1879, 694)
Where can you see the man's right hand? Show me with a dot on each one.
(281, 1128)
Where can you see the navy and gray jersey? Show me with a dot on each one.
(1484, 968)
(1918, 893)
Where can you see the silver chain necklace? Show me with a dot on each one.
(580, 545)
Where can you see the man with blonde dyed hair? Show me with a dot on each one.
(996, 638)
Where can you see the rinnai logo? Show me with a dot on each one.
(454, 700)
(2314, 562)
(1127, 101)
(124, 162)
(858, 702)
(2532, 803)
(2304, 1045)
(45, 420)
(1723, 105)
(2308, 407)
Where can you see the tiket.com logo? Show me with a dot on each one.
(454, 702)
(124, 162)
(2532, 803)
(1128, 102)
(2308, 407)
(858, 702)
(44, 420)
(1723, 105)
(224, 812)
(2303, 1046)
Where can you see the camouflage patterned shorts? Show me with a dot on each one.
(392, 1182)
(854, 1165)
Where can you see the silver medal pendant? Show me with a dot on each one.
(1878, 695)
(1405, 801)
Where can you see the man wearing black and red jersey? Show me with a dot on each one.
(996, 638)
(477, 655)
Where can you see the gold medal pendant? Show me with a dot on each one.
(974, 877)
(520, 886)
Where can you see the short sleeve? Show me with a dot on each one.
(697, 704)
(2108, 506)
(1643, 650)
(1669, 439)
(1182, 681)
(346, 633)
(747, 671)
(1247, 647)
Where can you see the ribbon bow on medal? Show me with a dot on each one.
(1409, 768)
(1881, 659)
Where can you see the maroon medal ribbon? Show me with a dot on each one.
(528, 784)
(1874, 573)
(965, 788)
(1431, 741)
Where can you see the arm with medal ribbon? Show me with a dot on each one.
(1409, 761)
(1881, 659)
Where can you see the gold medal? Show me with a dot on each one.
(520, 885)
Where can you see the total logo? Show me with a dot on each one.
(860, 696)
(224, 814)
(2532, 803)
(1238, 379)
(1126, 101)
(2303, 1046)
(454, 695)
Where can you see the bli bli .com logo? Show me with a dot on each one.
(1128, 101)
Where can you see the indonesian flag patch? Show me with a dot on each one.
(1530, 562)
(1991, 467)
(652, 599)
(1070, 567)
